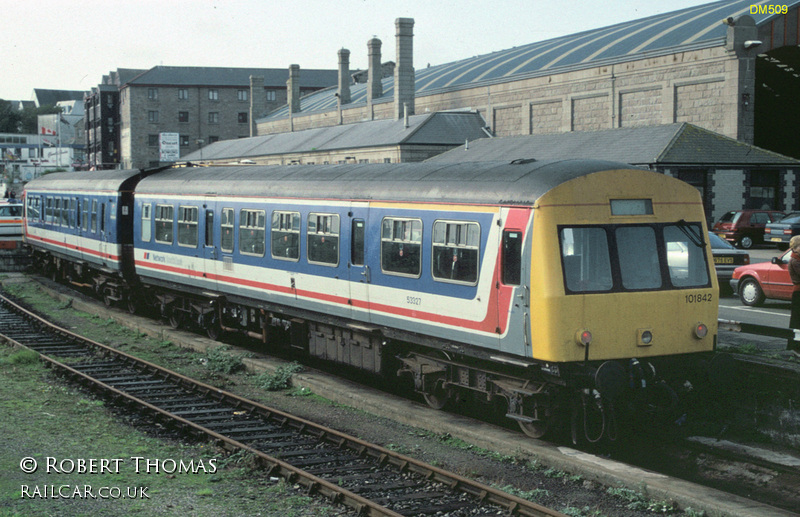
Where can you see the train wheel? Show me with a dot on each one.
(438, 398)
(107, 300)
(535, 429)
(175, 319)
(132, 304)
(214, 331)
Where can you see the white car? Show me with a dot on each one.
(10, 218)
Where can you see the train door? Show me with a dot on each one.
(358, 265)
(514, 289)
(210, 242)
(105, 246)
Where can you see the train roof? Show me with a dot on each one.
(515, 183)
(101, 181)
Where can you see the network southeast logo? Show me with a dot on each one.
(162, 259)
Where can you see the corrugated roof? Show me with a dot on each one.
(442, 128)
(214, 76)
(686, 29)
(680, 143)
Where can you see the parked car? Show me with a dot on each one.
(726, 258)
(782, 230)
(755, 283)
(10, 217)
(744, 228)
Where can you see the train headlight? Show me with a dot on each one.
(701, 330)
(644, 337)
(583, 337)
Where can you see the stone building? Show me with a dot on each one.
(728, 173)
(728, 66)
(201, 104)
(413, 139)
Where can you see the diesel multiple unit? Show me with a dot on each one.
(551, 287)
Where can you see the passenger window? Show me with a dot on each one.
(456, 247)
(286, 235)
(85, 214)
(65, 212)
(209, 241)
(638, 257)
(323, 239)
(252, 231)
(147, 223)
(164, 223)
(585, 259)
(187, 226)
(357, 237)
(401, 246)
(226, 226)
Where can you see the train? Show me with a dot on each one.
(568, 293)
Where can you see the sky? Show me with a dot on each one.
(70, 45)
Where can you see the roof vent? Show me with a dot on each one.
(522, 161)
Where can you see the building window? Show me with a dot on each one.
(213, 94)
(271, 95)
(152, 140)
(212, 139)
(241, 95)
(184, 140)
(183, 116)
(213, 117)
(183, 94)
(242, 117)
(152, 94)
(152, 116)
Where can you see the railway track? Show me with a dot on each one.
(370, 479)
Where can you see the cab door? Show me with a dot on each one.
(358, 261)
(513, 285)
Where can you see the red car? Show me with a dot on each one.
(744, 228)
(756, 282)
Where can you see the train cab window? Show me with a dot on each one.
(585, 259)
(85, 214)
(455, 251)
(252, 232)
(147, 222)
(286, 235)
(512, 257)
(401, 246)
(187, 226)
(164, 223)
(226, 230)
(686, 259)
(638, 257)
(323, 239)
(357, 239)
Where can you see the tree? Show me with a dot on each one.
(9, 118)
(29, 122)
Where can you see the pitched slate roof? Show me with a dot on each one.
(671, 144)
(687, 29)
(51, 97)
(215, 76)
(442, 128)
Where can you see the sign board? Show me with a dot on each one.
(169, 147)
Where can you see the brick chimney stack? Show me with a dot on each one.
(293, 89)
(404, 69)
(258, 101)
(344, 76)
(374, 72)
